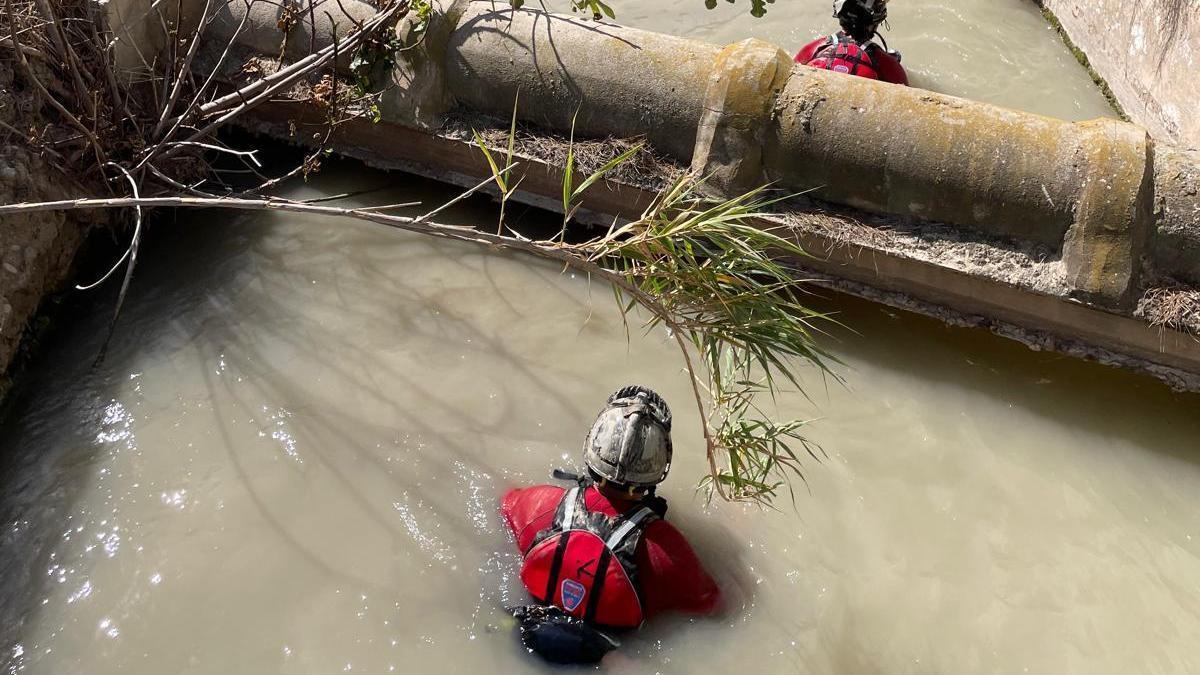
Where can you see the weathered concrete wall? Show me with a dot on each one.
(1149, 53)
(916, 153)
(137, 34)
(257, 25)
(745, 115)
(984, 283)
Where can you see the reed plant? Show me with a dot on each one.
(705, 270)
(708, 273)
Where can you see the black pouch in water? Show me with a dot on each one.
(559, 637)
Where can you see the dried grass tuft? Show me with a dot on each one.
(839, 232)
(1172, 305)
(645, 169)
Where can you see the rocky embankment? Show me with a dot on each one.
(37, 250)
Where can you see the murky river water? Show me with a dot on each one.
(999, 51)
(291, 458)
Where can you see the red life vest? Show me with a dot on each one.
(841, 53)
(585, 564)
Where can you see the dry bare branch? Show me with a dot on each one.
(184, 69)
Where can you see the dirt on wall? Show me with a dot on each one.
(37, 250)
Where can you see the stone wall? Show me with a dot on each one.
(1149, 52)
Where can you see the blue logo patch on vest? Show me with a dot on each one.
(572, 594)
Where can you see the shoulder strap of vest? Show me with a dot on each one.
(569, 507)
(571, 504)
(864, 56)
(632, 522)
(574, 504)
(869, 51)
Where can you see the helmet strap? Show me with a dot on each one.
(631, 491)
(560, 474)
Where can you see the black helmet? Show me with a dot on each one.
(630, 443)
(860, 18)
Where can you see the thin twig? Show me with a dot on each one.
(184, 69)
(383, 207)
(189, 189)
(12, 130)
(459, 198)
(120, 102)
(312, 27)
(199, 95)
(47, 95)
(172, 55)
(133, 256)
(217, 148)
(710, 449)
(67, 54)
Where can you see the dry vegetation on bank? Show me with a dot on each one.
(1171, 305)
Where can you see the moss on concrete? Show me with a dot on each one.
(1083, 60)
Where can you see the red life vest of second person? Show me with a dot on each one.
(584, 563)
(842, 54)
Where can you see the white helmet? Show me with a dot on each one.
(630, 443)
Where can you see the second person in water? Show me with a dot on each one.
(853, 50)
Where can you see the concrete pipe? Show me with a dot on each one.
(1176, 247)
(1083, 186)
(619, 80)
(257, 26)
(893, 149)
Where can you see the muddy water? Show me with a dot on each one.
(999, 51)
(291, 459)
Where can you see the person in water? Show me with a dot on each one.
(853, 49)
(599, 556)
